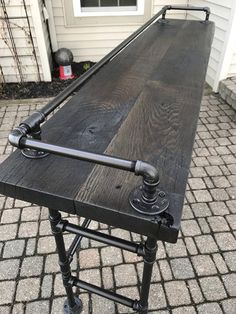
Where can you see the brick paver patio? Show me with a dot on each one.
(196, 275)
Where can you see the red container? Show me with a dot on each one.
(66, 72)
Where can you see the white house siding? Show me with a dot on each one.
(87, 42)
(232, 69)
(158, 5)
(24, 48)
(46, 35)
(221, 14)
(43, 40)
(93, 42)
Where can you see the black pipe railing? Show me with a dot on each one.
(18, 139)
(186, 8)
(146, 199)
(55, 102)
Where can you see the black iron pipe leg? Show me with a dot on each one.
(149, 260)
(72, 305)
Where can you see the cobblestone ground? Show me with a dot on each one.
(196, 275)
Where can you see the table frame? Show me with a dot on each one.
(28, 136)
(73, 305)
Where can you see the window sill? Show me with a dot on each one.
(95, 14)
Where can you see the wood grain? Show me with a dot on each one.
(144, 104)
(88, 121)
(160, 129)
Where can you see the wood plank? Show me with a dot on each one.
(144, 105)
(89, 121)
(165, 139)
(160, 129)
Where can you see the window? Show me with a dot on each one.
(86, 12)
(108, 7)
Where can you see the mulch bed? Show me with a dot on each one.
(42, 89)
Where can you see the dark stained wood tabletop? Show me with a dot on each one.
(144, 105)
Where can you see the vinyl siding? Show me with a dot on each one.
(93, 42)
(158, 5)
(220, 14)
(24, 48)
(88, 42)
(232, 69)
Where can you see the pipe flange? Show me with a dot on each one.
(163, 21)
(33, 153)
(158, 206)
(77, 309)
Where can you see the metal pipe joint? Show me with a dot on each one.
(148, 171)
(21, 132)
(150, 254)
(16, 135)
(61, 225)
(33, 122)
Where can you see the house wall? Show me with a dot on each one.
(45, 34)
(159, 4)
(232, 69)
(42, 36)
(31, 70)
(92, 42)
(222, 13)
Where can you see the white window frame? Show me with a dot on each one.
(108, 11)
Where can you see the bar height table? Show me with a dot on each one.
(119, 150)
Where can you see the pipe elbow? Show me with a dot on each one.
(16, 135)
(167, 7)
(207, 10)
(148, 171)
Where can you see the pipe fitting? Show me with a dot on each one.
(167, 7)
(61, 225)
(140, 250)
(33, 121)
(148, 171)
(16, 135)
(150, 254)
(148, 199)
(207, 10)
(137, 306)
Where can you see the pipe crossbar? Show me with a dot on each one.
(64, 225)
(134, 304)
(77, 240)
